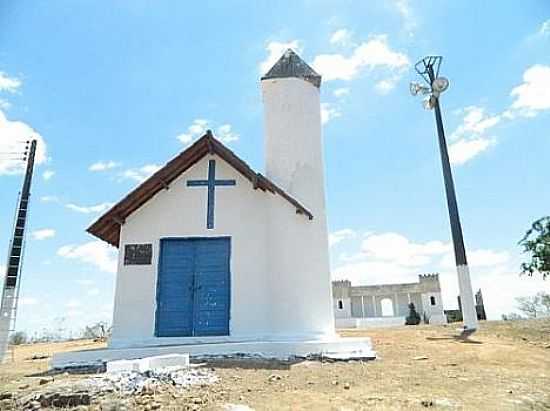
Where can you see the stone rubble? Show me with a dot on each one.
(134, 382)
(123, 383)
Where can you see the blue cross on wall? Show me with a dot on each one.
(211, 183)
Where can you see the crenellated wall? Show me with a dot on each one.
(389, 300)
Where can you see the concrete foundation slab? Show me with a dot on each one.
(149, 363)
(123, 365)
(160, 361)
(338, 348)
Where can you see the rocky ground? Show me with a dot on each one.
(505, 366)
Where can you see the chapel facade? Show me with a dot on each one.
(212, 251)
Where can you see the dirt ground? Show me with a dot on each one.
(505, 366)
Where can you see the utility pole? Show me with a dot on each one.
(12, 279)
(428, 68)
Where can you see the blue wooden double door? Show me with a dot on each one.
(193, 287)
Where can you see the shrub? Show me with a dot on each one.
(18, 338)
(413, 318)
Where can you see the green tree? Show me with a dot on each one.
(536, 243)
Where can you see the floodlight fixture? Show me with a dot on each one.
(429, 102)
(416, 88)
(440, 84)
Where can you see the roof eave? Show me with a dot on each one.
(107, 227)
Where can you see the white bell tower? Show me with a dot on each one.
(300, 277)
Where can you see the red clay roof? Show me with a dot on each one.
(107, 227)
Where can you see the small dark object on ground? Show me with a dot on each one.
(466, 332)
(413, 318)
(38, 357)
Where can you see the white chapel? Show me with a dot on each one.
(216, 258)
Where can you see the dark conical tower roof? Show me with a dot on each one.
(291, 65)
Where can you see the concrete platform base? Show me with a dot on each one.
(337, 348)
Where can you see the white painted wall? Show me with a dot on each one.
(298, 251)
(241, 213)
(469, 312)
(345, 312)
(435, 312)
(260, 309)
(372, 322)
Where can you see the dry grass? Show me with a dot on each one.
(505, 367)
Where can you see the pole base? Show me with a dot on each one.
(466, 332)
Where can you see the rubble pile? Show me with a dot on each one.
(135, 382)
(65, 394)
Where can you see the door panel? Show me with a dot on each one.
(212, 292)
(193, 293)
(175, 289)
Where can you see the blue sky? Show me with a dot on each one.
(114, 92)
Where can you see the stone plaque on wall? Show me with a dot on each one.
(138, 254)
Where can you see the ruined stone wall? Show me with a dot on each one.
(367, 301)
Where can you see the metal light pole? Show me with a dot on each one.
(428, 68)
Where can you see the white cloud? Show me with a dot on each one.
(85, 282)
(198, 128)
(396, 247)
(14, 134)
(225, 134)
(329, 112)
(341, 92)
(96, 253)
(404, 9)
(43, 234)
(475, 123)
(46, 175)
(93, 292)
(275, 50)
(341, 235)
(98, 208)
(140, 174)
(371, 54)
(103, 165)
(545, 28)
(341, 37)
(9, 84)
(28, 301)
(383, 87)
(49, 199)
(367, 272)
(464, 150)
(195, 130)
(74, 313)
(4, 104)
(73, 303)
(469, 140)
(533, 95)
(530, 98)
